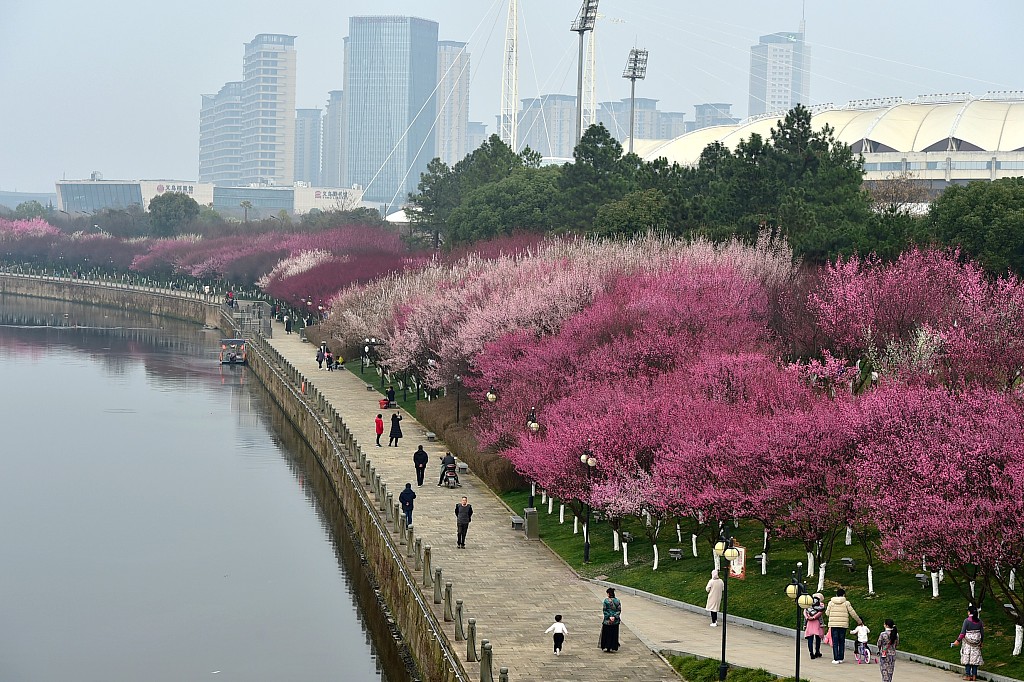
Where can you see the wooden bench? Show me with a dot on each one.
(848, 563)
(924, 579)
(675, 553)
(518, 522)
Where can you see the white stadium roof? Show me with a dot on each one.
(954, 123)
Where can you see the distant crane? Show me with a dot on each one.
(510, 79)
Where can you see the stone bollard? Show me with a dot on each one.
(437, 585)
(409, 550)
(428, 576)
(448, 615)
(389, 507)
(460, 634)
(502, 674)
(471, 641)
(401, 525)
(486, 661)
(371, 477)
(418, 555)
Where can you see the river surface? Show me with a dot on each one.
(159, 519)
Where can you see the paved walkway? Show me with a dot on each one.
(513, 587)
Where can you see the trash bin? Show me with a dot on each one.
(532, 525)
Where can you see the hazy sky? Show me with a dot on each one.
(115, 85)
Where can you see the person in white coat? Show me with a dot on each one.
(715, 588)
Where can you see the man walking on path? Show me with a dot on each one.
(463, 515)
(406, 498)
(839, 612)
(420, 459)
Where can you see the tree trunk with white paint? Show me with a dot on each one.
(849, 536)
(655, 558)
(615, 540)
(764, 563)
(561, 513)
(935, 585)
(821, 577)
(972, 591)
(693, 541)
(625, 554)
(810, 565)
(871, 579)
(543, 496)
(765, 548)
(575, 525)
(1018, 639)
(679, 533)
(551, 504)
(1013, 579)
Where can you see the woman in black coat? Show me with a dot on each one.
(396, 429)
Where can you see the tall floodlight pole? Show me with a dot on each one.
(510, 80)
(584, 22)
(636, 69)
(589, 76)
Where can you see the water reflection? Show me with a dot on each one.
(162, 520)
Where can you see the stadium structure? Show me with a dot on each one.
(937, 140)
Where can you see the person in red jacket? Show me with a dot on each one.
(378, 424)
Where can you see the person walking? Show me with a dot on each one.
(839, 612)
(714, 588)
(378, 425)
(813, 631)
(887, 644)
(463, 516)
(406, 500)
(330, 361)
(320, 358)
(420, 459)
(612, 613)
(970, 638)
(560, 631)
(287, 325)
(396, 429)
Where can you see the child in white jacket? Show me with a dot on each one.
(863, 651)
(558, 627)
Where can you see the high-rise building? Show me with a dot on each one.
(780, 73)
(332, 146)
(476, 135)
(452, 101)
(220, 136)
(712, 114)
(649, 123)
(308, 135)
(389, 109)
(268, 110)
(547, 124)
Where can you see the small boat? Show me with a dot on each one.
(232, 352)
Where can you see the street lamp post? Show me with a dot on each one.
(588, 461)
(458, 398)
(724, 548)
(534, 426)
(797, 591)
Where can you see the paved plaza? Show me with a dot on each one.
(513, 587)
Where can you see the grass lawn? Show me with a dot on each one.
(704, 670)
(926, 626)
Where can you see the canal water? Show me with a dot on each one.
(160, 519)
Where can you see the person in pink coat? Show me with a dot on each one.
(813, 631)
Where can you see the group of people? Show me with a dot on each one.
(829, 622)
(324, 355)
(395, 434)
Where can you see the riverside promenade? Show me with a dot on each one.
(513, 586)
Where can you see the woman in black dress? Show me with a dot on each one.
(396, 429)
(610, 625)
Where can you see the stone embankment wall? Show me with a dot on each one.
(179, 305)
(321, 428)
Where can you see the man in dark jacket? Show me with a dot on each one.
(405, 499)
(420, 458)
(463, 515)
(449, 458)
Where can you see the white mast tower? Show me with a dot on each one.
(510, 80)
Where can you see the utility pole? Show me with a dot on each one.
(636, 69)
(584, 22)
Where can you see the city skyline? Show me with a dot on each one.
(96, 102)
